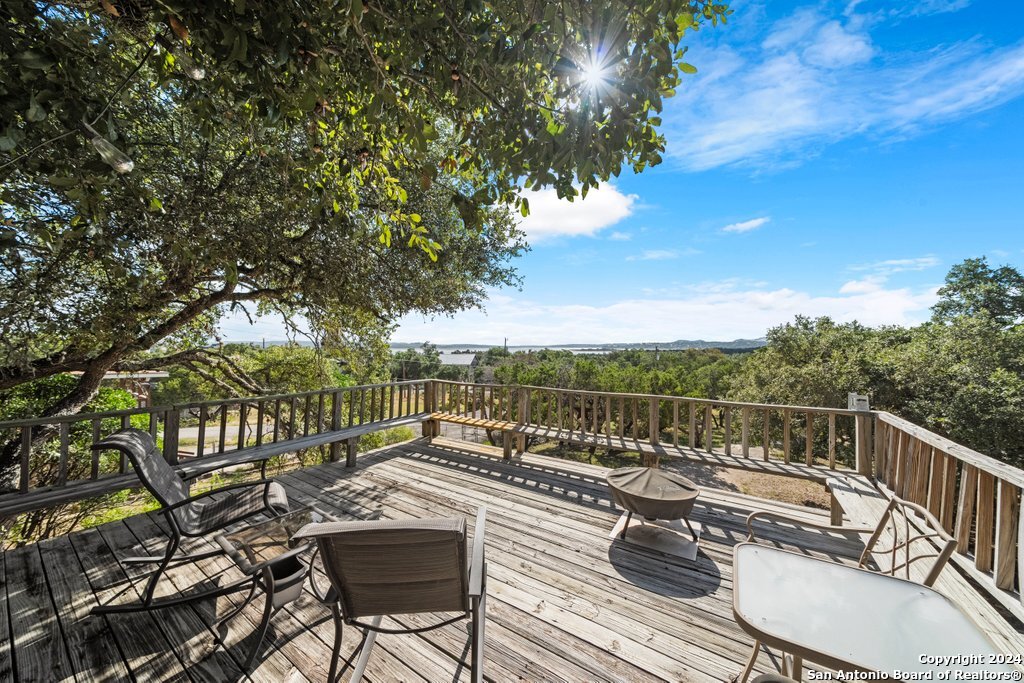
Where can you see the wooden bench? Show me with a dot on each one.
(857, 497)
(507, 429)
(703, 457)
(37, 499)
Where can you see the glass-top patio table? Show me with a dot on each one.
(853, 619)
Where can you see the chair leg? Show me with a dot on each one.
(476, 670)
(339, 626)
(742, 678)
(221, 624)
(172, 547)
(364, 651)
(261, 632)
(688, 526)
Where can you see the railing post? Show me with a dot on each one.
(863, 442)
(171, 422)
(522, 418)
(351, 448)
(430, 428)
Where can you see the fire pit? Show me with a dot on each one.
(653, 494)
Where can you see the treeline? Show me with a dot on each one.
(961, 374)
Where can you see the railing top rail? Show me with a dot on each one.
(985, 463)
(81, 417)
(665, 397)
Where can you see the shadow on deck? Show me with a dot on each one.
(565, 603)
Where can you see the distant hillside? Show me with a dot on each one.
(679, 344)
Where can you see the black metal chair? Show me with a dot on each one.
(414, 566)
(187, 516)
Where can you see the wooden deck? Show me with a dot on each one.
(565, 603)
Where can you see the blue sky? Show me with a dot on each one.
(828, 159)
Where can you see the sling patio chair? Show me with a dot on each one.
(187, 516)
(385, 567)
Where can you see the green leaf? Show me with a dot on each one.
(687, 68)
(33, 59)
(155, 205)
(35, 112)
(524, 207)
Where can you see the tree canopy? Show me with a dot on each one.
(343, 161)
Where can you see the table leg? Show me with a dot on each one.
(742, 678)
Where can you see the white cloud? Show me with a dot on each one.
(719, 311)
(620, 236)
(747, 226)
(815, 79)
(660, 254)
(553, 217)
(898, 265)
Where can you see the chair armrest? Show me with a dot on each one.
(477, 568)
(222, 489)
(824, 527)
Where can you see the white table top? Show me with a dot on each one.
(852, 619)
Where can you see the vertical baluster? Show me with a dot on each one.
(727, 418)
(933, 495)
(277, 419)
(306, 413)
(675, 422)
(608, 416)
(321, 398)
(832, 441)
(786, 433)
(65, 444)
(154, 425)
(766, 435)
(984, 523)
(809, 439)
(260, 416)
(351, 393)
(709, 441)
(745, 431)
(965, 508)
(594, 401)
(622, 417)
(691, 435)
(292, 405)
(636, 421)
(243, 418)
(583, 413)
(122, 465)
(25, 459)
(201, 437)
(362, 406)
(654, 421)
(1007, 520)
(222, 437)
(94, 465)
(949, 494)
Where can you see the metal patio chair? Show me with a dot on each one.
(187, 516)
(380, 568)
(909, 532)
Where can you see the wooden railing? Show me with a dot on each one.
(56, 462)
(976, 498)
(812, 436)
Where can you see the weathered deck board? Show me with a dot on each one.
(564, 603)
